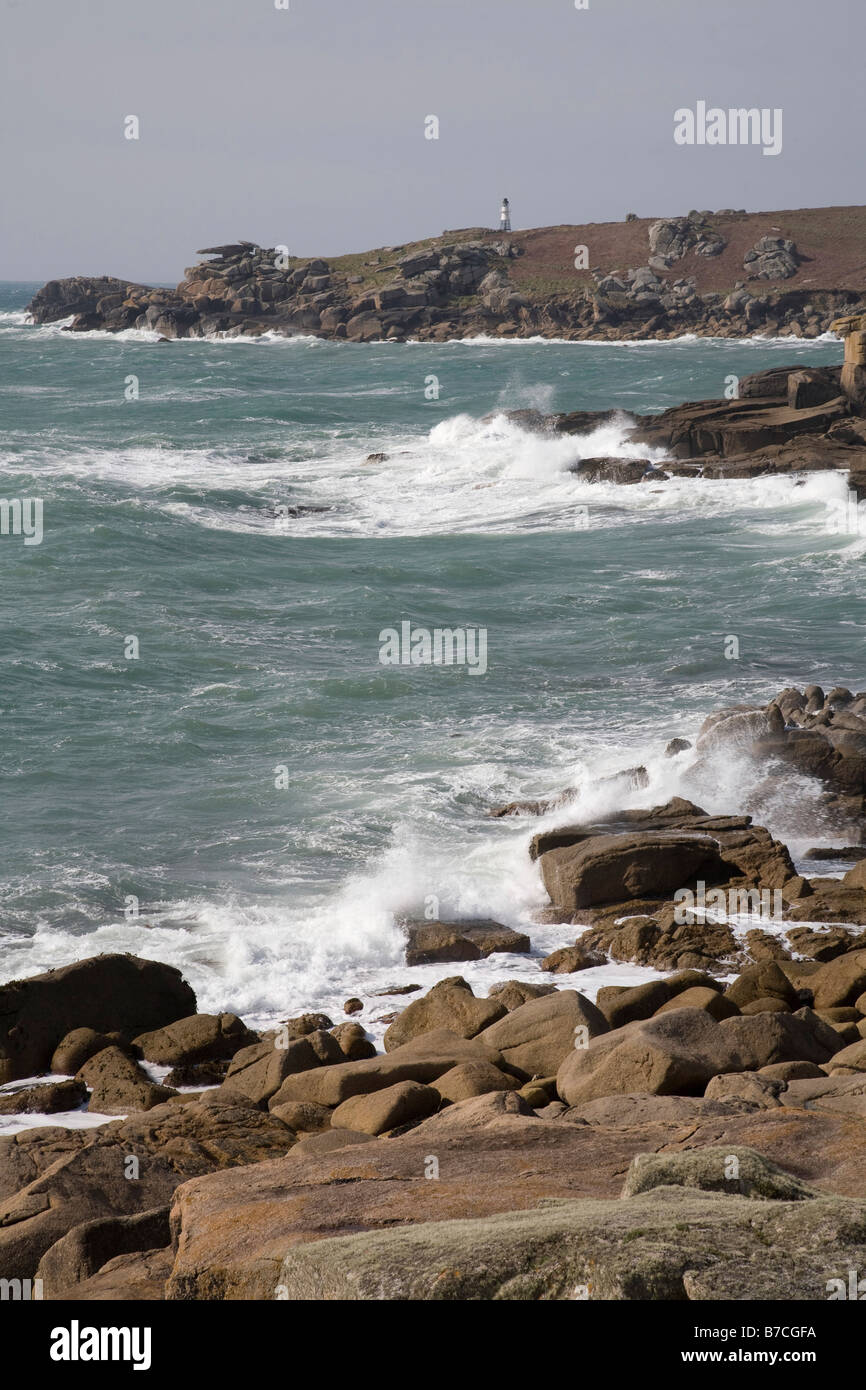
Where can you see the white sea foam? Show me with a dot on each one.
(465, 475)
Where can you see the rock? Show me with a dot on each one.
(475, 1079)
(31, 1152)
(424, 1059)
(754, 1087)
(536, 1097)
(791, 1071)
(711, 1170)
(852, 1057)
(760, 982)
(840, 981)
(811, 386)
(842, 852)
(105, 993)
(769, 1005)
(200, 1038)
(51, 1099)
(513, 993)
(718, 1005)
(386, 1109)
(615, 868)
(676, 745)
(137, 1278)
(678, 1052)
(329, 1141)
(258, 1072)
(736, 429)
(643, 1001)
(449, 1004)
(671, 238)
(772, 258)
(76, 1048)
(364, 328)
(353, 1006)
(856, 877)
(353, 1041)
(675, 1053)
(302, 1117)
(662, 941)
(821, 945)
(669, 1244)
(233, 1228)
(171, 1143)
(325, 1046)
(759, 1040)
(569, 959)
(612, 470)
(418, 263)
(536, 1038)
(831, 901)
(197, 1074)
(87, 1247)
(431, 942)
(802, 974)
(763, 946)
(305, 1024)
(118, 1084)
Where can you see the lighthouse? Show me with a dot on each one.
(505, 216)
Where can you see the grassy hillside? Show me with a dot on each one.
(831, 241)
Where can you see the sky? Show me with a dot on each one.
(305, 126)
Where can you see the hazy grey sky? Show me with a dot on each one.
(306, 126)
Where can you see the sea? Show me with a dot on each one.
(208, 758)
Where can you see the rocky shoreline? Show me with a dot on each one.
(702, 1134)
(726, 274)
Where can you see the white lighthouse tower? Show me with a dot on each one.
(505, 216)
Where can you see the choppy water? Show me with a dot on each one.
(173, 518)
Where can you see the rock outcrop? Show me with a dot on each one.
(644, 278)
(105, 993)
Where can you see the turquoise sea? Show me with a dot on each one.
(255, 797)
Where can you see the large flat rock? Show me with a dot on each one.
(672, 1243)
(234, 1229)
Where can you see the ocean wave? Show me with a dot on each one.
(465, 475)
(682, 339)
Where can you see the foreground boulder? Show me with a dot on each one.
(87, 1247)
(106, 993)
(673, 1243)
(233, 1229)
(734, 1170)
(94, 1179)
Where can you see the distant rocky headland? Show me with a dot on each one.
(722, 274)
